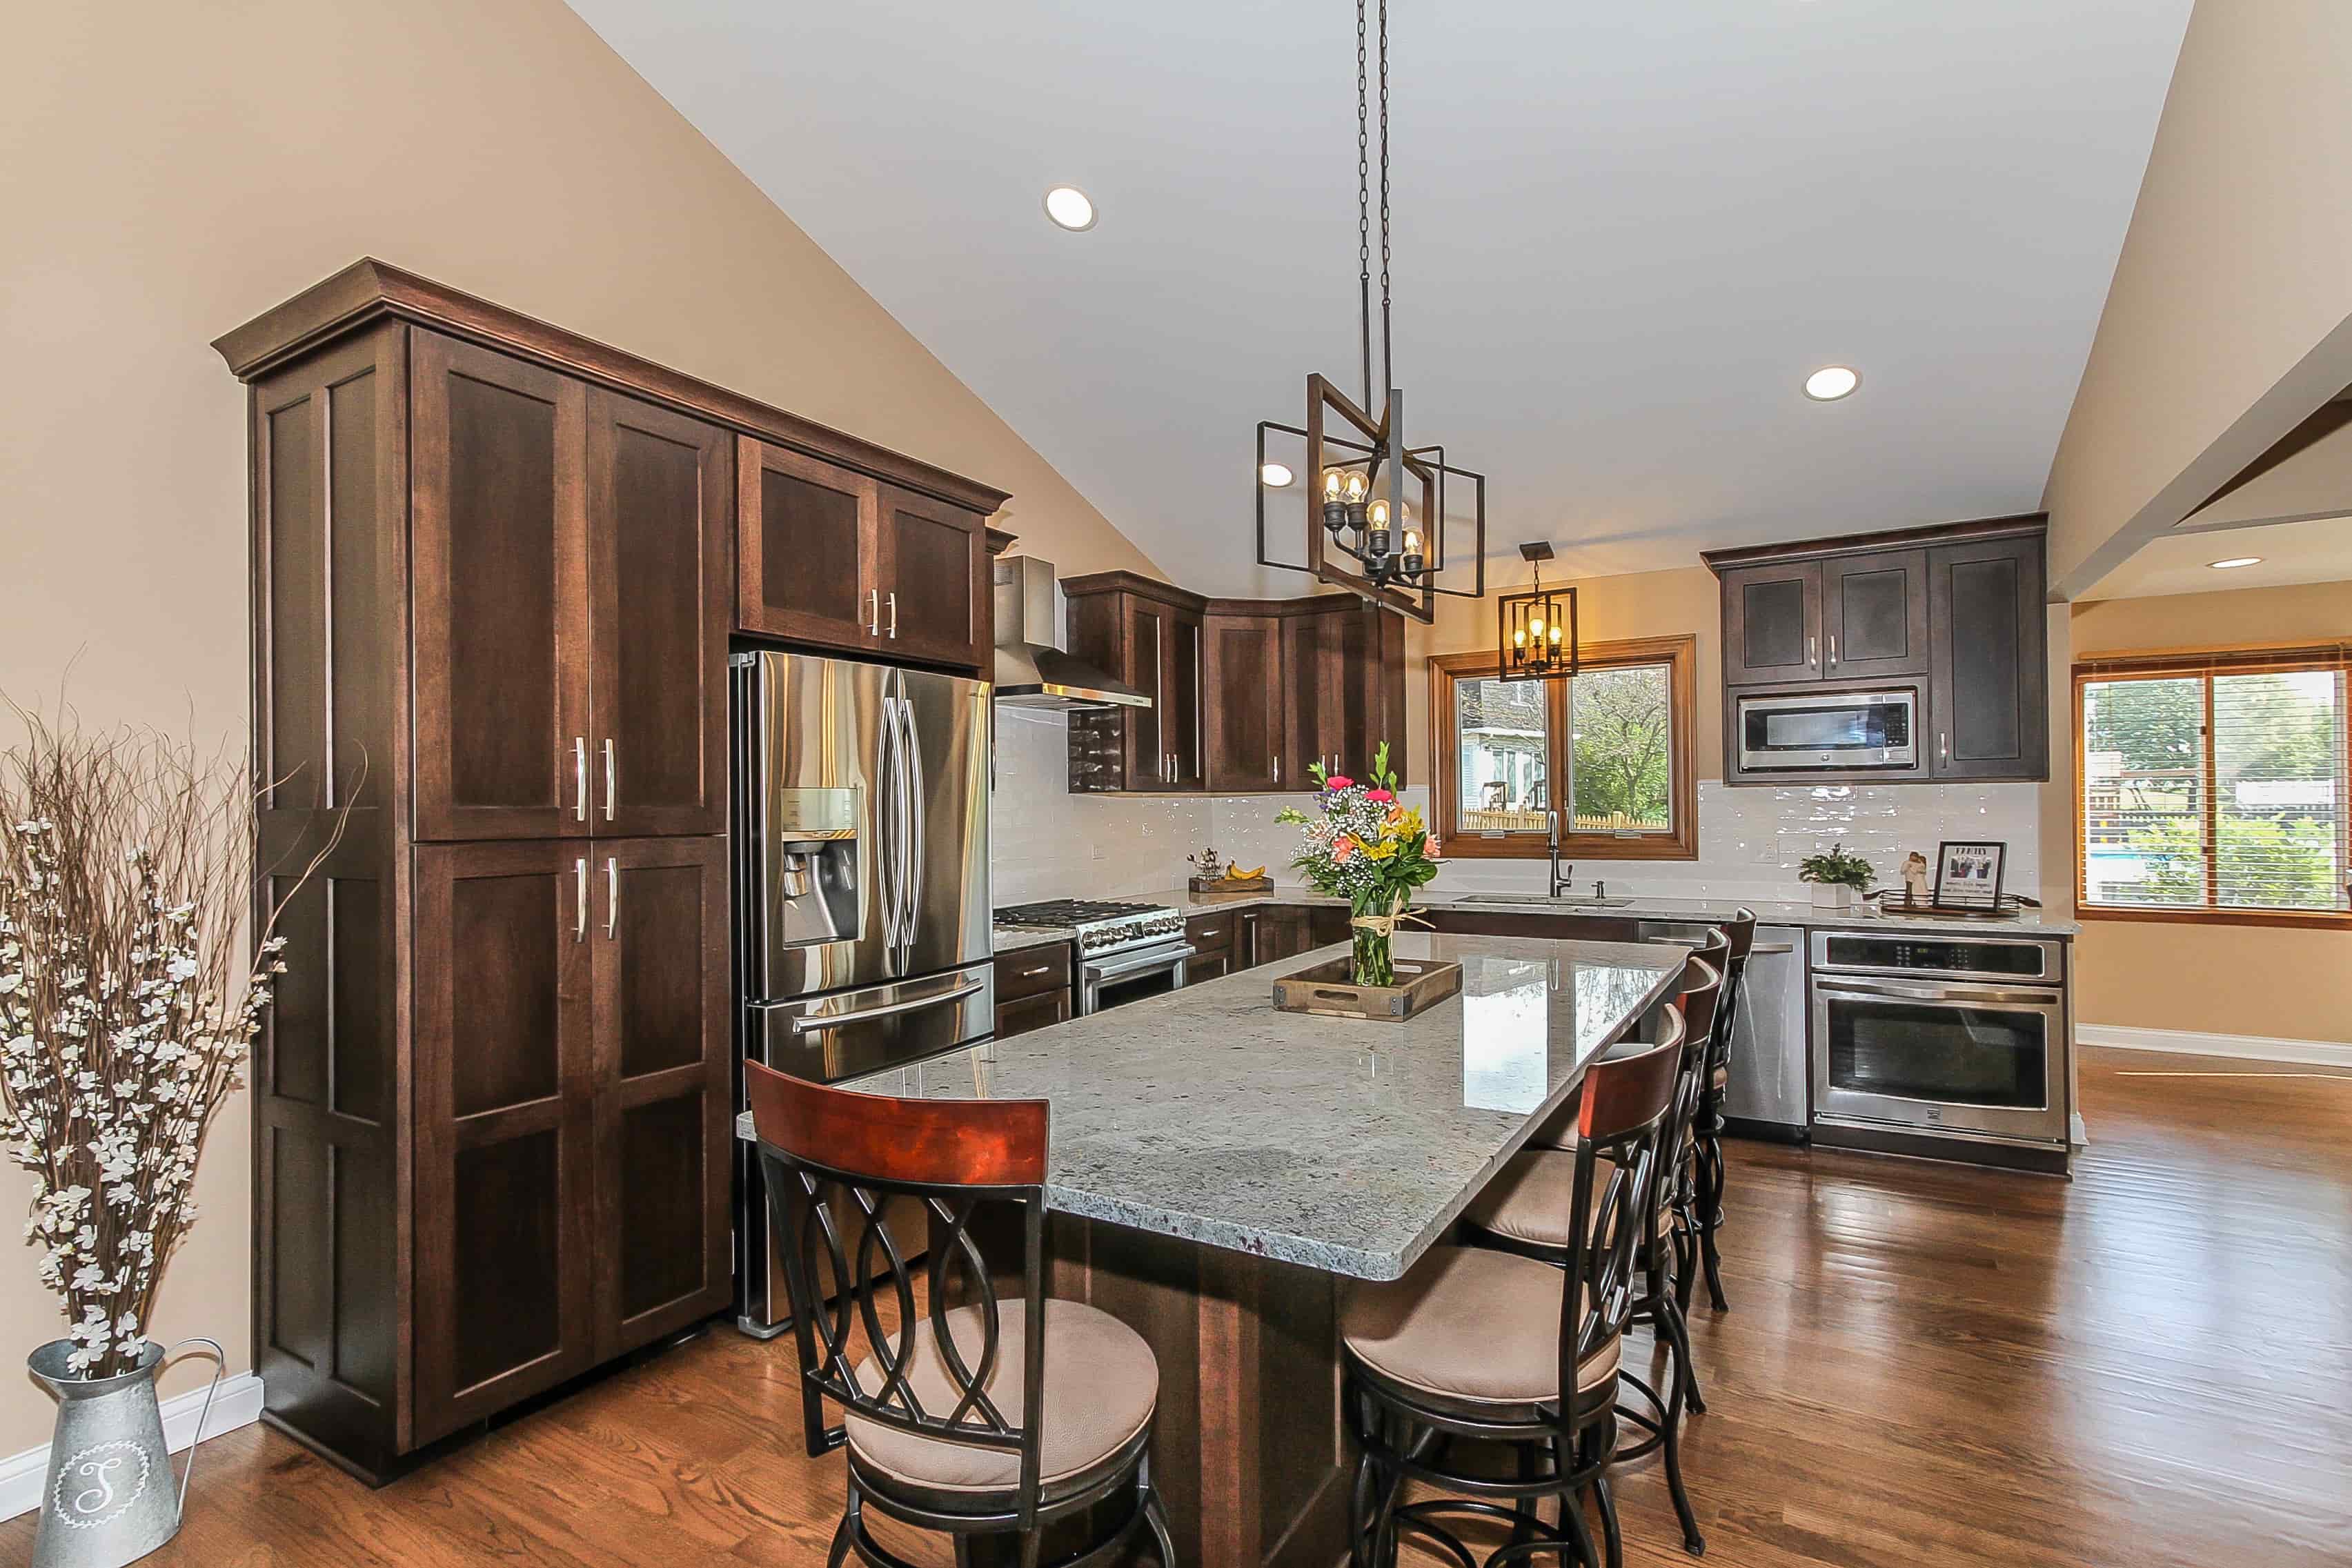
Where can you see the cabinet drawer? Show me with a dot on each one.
(1033, 972)
(1024, 1014)
(1211, 933)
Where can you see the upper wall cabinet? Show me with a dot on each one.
(1951, 615)
(833, 555)
(1247, 695)
(571, 613)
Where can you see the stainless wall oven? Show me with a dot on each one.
(1956, 1037)
(1831, 732)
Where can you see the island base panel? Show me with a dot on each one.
(1248, 1451)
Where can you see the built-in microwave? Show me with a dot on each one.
(1828, 732)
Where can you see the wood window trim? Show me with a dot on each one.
(1680, 653)
(2182, 663)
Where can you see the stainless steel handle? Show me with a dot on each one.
(894, 615)
(886, 819)
(579, 777)
(1158, 958)
(1277, 767)
(612, 897)
(1832, 647)
(611, 780)
(580, 900)
(1944, 745)
(1040, 969)
(1771, 947)
(1812, 650)
(1956, 996)
(822, 1023)
(918, 830)
(873, 612)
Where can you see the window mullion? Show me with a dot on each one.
(2212, 813)
(1562, 759)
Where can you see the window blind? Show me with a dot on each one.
(2218, 781)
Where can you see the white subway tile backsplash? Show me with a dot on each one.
(1050, 843)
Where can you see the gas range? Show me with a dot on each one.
(1104, 926)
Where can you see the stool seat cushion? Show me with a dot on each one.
(1470, 1326)
(1528, 1199)
(1101, 1384)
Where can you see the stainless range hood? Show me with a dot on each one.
(1032, 671)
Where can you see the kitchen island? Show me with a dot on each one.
(1218, 1168)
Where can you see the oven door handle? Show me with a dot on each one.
(1142, 963)
(1840, 986)
(817, 1023)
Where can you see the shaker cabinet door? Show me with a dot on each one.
(664, 1085)
(660, 497)
(499, 529)
(1875, 610)
(1988, 681)
(806, 539)
(1772, 622)
(1245, 704)
(937, 589)
(503, 1172)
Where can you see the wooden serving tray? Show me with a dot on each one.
(1230, 884)
(1325, 991)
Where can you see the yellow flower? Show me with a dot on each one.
(1383, 851)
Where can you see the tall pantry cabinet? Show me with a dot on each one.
(493, 584)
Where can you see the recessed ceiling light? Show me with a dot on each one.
(1070, 207)
(1276, 475)
(2234, 562)
(1830, 382)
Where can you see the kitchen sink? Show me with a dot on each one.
(1547, 901)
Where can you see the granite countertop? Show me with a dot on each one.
(1642, 907)
(1012, 938)
(1342, 1144)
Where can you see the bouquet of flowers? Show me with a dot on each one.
(1366, 847)
(128, 1001)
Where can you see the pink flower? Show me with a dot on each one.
(1339, 782)
(1383, 796)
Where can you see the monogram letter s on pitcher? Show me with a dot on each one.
(1366, 847)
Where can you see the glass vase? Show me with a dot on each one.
(1375, 962)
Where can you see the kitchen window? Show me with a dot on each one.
(1611, 748)
(2213, 787)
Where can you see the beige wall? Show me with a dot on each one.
(1639, 604)
(2235, 272)
(169, 171)
(2276, 982)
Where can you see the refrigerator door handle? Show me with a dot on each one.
(918, 827)
(818, 1023)
(886, 822)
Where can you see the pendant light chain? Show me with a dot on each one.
(1364, 197)
(1388, 353)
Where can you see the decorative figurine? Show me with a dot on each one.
(1914, 878)
(1211, 865)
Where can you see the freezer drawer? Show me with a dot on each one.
(844, 1033)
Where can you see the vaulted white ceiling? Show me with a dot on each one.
(1624, 234)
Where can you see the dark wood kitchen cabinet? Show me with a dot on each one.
(569, 604)
(1034, 988)
(1149, 636)
(1244, 722)
(493, 574)
(1988, 711)
(1952, 614)
(1343, 689)
(1215, 950)
(831, 556)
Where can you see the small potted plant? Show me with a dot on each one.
(1836, 877)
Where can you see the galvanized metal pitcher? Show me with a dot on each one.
(110, 1498)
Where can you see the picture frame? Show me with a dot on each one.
(1968, 873)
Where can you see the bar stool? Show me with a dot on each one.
(992, 1418)
(1707, 1177)
(1523, 1211)
(1489, 1346)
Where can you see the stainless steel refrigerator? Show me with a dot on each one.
(862, 912)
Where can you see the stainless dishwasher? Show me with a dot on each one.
(1767, 1095)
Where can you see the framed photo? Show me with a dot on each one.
(1968, 876)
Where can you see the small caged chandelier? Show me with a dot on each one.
(1535, 632)
(1378, 508)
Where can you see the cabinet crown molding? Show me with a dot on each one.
(369, 291)
(1720, 560)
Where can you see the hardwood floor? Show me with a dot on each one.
(1922, 1365)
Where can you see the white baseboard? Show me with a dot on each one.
(2244, 1046)
(238, 1404)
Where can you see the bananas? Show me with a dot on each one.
(1235, 874)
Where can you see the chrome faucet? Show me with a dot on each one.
(1563, 877)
